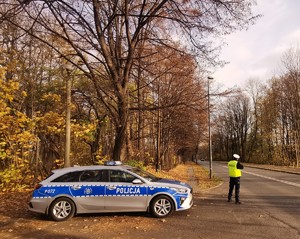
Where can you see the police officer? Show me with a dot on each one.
(235, 173)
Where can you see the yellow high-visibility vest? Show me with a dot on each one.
(233, 170)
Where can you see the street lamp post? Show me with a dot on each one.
(209, 128)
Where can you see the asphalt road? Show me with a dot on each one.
(270, 208)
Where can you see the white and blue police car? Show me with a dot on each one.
(109, 188)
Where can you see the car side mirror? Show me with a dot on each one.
(137, 181)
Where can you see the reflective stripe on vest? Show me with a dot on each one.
(233, 170)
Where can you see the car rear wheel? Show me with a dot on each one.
(62, 209)
(162, 206)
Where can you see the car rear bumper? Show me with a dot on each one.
(39, 205)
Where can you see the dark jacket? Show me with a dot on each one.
(239, 165)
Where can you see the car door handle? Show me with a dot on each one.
(76, 187)
(111, 187)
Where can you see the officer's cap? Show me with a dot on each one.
(236, 156)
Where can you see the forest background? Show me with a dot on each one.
(139, 92)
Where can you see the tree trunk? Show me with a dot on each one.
(120, 128)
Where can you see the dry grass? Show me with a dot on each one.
(202, 177)
(181, 173)
(177, 173)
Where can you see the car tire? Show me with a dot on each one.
(162, 206)
(62, 209)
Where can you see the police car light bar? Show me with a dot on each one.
(112, 163)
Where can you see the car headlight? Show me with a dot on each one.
(180, 190)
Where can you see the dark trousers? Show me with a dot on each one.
(234, 183)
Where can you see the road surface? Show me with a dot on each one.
(270, 209)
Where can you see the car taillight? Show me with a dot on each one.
(38, 186)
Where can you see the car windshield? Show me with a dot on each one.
(150, 177)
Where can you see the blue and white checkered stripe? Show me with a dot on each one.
(49, 191)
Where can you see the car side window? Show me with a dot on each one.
(120, 176)
(68, 177)
(102, 176)
(94, 176)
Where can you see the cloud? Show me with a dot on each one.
(292, 39)
(257, 53)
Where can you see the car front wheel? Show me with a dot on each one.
(162, 206)
(62, 209)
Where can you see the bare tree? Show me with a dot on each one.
(233, 126)
(256, 90)
(104, 36)
(291, 102)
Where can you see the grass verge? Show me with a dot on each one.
(199, 175)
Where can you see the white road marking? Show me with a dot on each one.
(274, 179)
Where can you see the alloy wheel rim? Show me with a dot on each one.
(162, 207)
(62, 209)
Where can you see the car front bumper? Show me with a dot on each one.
(186, 203)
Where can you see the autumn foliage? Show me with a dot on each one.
(138, 78)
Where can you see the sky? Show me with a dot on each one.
(257, 52)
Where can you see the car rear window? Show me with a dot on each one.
(84, 176)
(94, 176)
(68, 177)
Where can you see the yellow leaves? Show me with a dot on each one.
(16, 138)
(59, 163)
(7, 89)
(19, 133)
(24, 93)
(2, 144)
(84, 131)
(51, 123)
(2, 154)
(51, 97)
(14, 178)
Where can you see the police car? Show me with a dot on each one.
(109, 188)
